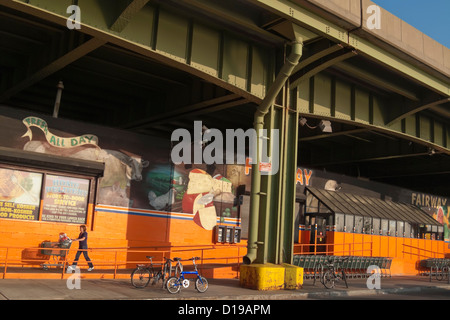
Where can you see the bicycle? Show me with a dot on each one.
(174, 284)
(442, 269)
(331, 275)
(141, 276)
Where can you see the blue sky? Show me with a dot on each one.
(432, 17)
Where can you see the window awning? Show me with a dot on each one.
(51, 162)
(348, 203)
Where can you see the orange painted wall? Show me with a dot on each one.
(130, 232)
(406, 252)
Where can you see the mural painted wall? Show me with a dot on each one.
(140, 180)
(59, 200)
(141, 197)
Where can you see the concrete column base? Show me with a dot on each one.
(293, 277)
(271, 276)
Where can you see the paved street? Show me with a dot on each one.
(219, 289)
(223, 299)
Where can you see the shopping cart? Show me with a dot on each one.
(56, 251)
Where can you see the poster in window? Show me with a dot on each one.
(65, 199)
(19, 194)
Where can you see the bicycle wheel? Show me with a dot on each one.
(328, 279)
(140, 277)
(439, 274)
(201, 284)
(173, 285)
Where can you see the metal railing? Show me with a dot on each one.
(432, 260)
(114, 260)
(350, 249)
(433, 254)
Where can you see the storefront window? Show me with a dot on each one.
(358, 224)
(392, 228)
(339, 221)
(384, 227)
(376, 226)
(440, 235)
(19, 194)
(408, 230)
(367, 225)
(414, 230)
(349, 224)
(400, 229)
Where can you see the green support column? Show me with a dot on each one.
(272, 196)
(277, 195)
(287, 183)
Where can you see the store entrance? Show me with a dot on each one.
(318, 235)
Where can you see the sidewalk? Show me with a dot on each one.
(219, 289)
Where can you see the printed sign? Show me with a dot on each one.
(65, 199)
(55, 140)
(19, 194)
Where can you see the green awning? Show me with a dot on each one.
(348, 203)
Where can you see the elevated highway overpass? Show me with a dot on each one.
(151, 66)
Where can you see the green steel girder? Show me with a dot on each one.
(417, 107)
(327, 97)
(277, 193)
(44, 71)
(130, 8)
(237, 63)
(303, 17)
(334, 58)
(245, 66)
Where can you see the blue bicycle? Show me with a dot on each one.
(174, 284)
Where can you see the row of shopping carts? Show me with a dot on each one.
(353, 266)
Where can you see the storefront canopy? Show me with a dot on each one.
(348, 203)
(51, 162)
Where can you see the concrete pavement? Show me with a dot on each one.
(219, 289)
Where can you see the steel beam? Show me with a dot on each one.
(53, 67)
(303, 17)
(334, 134)
(377, 81)
(204, 106)
(233, 62)
(131, 8)
(298, 78)
(415, 109)
(315, 57)
(328, 97)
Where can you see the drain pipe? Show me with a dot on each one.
(262, 110)
(60, 87)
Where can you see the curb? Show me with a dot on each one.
(317, 295)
